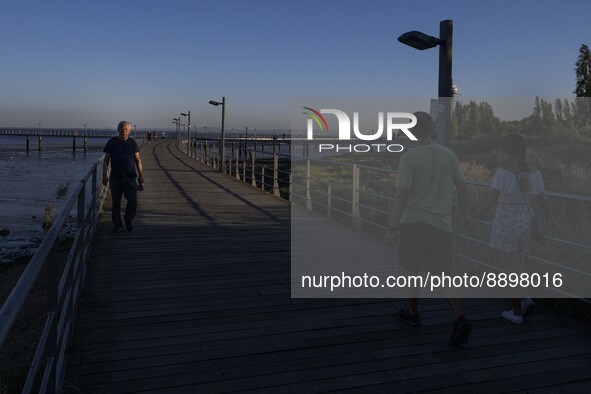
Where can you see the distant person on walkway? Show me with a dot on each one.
(515, 187)
(422, 216)
(123, 154)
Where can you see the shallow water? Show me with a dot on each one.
(30, 181)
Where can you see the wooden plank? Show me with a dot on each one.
(197, 299)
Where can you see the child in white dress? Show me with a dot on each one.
(515, 188)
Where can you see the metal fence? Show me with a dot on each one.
(62, 292)
(350, 200)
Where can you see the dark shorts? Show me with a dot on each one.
(425, 248)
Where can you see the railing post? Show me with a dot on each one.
(81, 203)
(52, 290)
(244, 165)
(355, 199)
(290, 187)
(308, 195)
(237, 169)
(252, 158)
(93, 202)
(329, 201)
(263, 177)
(276, 174)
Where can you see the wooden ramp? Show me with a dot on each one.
(197, 300)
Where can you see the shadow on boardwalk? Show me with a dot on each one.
(197, 299)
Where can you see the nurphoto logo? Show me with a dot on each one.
(393, 128)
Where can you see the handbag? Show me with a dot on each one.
(536, 227)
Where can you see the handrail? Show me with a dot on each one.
(60, 321)
(305, 190)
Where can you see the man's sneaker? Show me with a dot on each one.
(461, 331)
(527, 307)
(129, 226)
(117, 228)
(413, 320)
(512, 317)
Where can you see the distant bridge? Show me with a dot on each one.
(59, 133)
(71, 133)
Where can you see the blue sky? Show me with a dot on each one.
(96, 62)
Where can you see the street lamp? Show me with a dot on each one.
(188, 114)
(85, 137)
(223, 139)
(422, 41)
(177, 122)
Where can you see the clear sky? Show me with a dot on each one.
(64, 64)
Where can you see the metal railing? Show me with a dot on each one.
(62, 293)
(355, 203)
(256, 165)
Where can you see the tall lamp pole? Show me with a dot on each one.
(177, 122)
(422, 41)
(223, 139)
(188, 114)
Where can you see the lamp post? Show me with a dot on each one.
(223, 137)
(188, 114)
(177, 122)
(85, 137)
(422, 41)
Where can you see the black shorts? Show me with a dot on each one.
(425, 248)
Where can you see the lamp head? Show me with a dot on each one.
(213, 102)
(419, 40)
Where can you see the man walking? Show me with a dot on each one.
(422, 216)
(123, 154)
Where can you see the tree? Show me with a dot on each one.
(567, 112)
(582, 113)
(583, 72)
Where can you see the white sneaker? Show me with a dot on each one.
(527, 307)
(512, 317)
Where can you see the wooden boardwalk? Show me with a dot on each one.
(197, 300)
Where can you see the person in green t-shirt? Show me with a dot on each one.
(422, 217)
